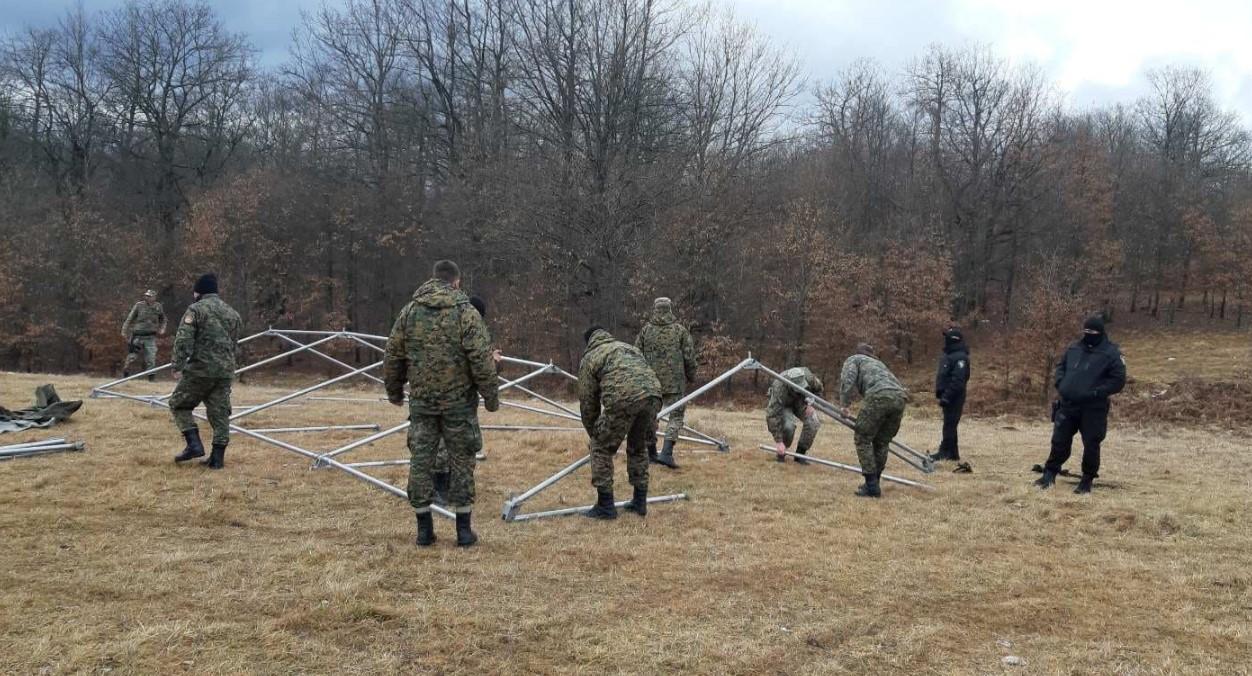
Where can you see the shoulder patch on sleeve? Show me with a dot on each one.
(960, 363)
(189, 318)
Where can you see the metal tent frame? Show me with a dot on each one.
(301, 341)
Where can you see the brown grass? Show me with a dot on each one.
(117, 560)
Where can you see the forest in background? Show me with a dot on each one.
(579, 158)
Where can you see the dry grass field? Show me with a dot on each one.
(116, 560)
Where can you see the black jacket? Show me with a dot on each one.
(1087, 375)
(953, 374)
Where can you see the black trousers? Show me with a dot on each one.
(949, 446)
(1091, 421)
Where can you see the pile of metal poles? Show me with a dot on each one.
(39, 448)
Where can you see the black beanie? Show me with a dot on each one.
(206, 284)
(1094, 323)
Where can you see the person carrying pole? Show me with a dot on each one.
(671, 353)
(440, 347)
(787, 408)
(619, 397)
(206, 349)
(882, 411)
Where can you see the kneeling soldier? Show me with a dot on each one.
(880, 416)
(787, 407)
(618, 397)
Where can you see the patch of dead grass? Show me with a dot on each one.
(117, 560)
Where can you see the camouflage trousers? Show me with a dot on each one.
(148, 351)
(636, 423)
(876, 425)
(459, 433)
(214, 393)
(808, 429)
(677, 417)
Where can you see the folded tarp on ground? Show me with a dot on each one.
(47, 411)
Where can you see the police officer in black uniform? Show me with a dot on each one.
(950, 391)
(1090, 371)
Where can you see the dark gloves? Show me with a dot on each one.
(492, 404)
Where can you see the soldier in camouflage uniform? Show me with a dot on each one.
(440, 347)
(618, 397)
(143, 324)
(443, 477)
(787, 407)
(880, 416)
(205, 350)
(668, 347)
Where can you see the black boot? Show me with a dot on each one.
(194, 448)
(1048, 478)
(639, 504)
(604, 507)
(667, 455)
(652, 450)
(1084, 484)
(217, 458)
(125, 373)
(801, 450)
(442, 480)
(425, 529)
(870, 488)
(465, 536)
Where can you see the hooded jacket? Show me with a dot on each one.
(668, 347)
(612, 376)
(1090, 374)
(953, 373)
(440, 345)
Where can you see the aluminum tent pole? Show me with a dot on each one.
(41, 450)
(847, 468)
(514, 504)
(569, 511)
(530, 428)
(379, 463)
(362, 442)
(45, 442)
(106, 386)
(706, 387)
(282, 355)
(327, 357)
(831, 411)
(300, 393)
(366, 343)
(316, 428)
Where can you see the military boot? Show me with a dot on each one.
(442, 480)
(667, 455)
(639, 504)
(652, 449)
(1084, 484)
(1048, 478)
(870, 488)
(125, 373)
(604, 507)
(152, 377)
(801, 450)
(425, 529)
(465, 536)
(194, 449)
(217, 457)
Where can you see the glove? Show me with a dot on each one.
(491, 404)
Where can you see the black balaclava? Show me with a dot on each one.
(952, 339)
(1093, 323)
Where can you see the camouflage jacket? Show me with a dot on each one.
(144, 319)
(207, 341)
(866, 376)
(783, 398)
(439, 345)
(613, 374)
(668, 347)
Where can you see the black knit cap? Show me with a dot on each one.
(206, 284)
(1094, 323)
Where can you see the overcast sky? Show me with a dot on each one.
(1095, 50)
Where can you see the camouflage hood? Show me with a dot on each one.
(663, 316)
(598, 338)
(439, 294)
